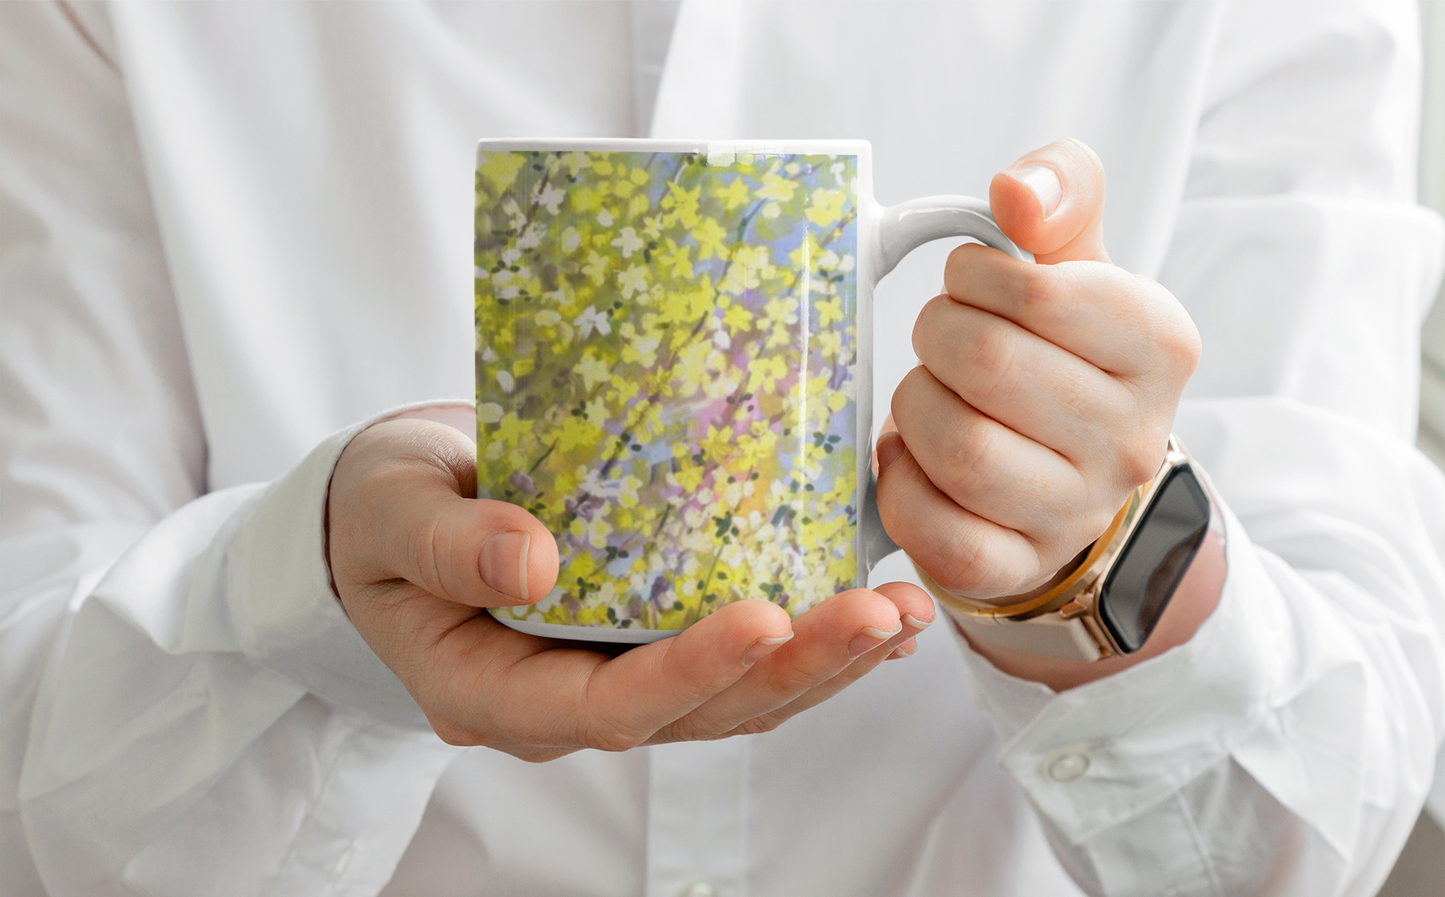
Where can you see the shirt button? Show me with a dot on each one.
(698, 889)
(1067, 767)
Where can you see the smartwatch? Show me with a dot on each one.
(1111, 600)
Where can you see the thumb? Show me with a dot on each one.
(1051, 203)
(399, 508)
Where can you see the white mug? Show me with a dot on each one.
(674, 368)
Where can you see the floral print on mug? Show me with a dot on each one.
(665, 360)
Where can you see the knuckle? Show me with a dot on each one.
(1180, 344)
(992, 356)
(758, 725)
(1095, 524)
(790, 681)
(963, 567)
(958, 259)
(1139, 458)
(694, 726)
(1037, 290)
(452, 732)
(910, 389)
(422, 554)
(614, 739)
(611, 732)
(971, 471)
(929, 325)
(1174, 336)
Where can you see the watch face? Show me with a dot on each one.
(1150, 566)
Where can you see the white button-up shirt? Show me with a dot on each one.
(229, 230)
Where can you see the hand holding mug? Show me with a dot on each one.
(416, 559)
(1045, 392)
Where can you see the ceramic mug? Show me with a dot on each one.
(674, 368)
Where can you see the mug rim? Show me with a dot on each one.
(848, 147)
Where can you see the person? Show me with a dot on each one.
(234, 280)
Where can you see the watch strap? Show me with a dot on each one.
(1049, 635)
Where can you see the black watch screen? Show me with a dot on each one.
(1150, 566)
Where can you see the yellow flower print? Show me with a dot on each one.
(596, 413)
(711, 240)
(592, 370)
(737, 318)
(512, 429)
(735, 195)
(586, 199)
(826, 207)
(683, 204)
(596, 267)
(640, 337)
(750, 264)
(577, 432)
(777, 188)
(829, 343)
(632, 281)
(499, 170)
(830, 312)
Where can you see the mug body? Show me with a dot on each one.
(668, 346)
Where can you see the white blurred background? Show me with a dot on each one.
(1421, 869)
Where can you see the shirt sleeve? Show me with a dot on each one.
(182, 699)
(1287, 748)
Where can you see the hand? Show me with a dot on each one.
(415, 560)
(1045, 392)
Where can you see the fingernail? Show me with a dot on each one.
(1044, 182)
(763, 647)
(890, 449)
(906, 649)
(913, 622)
(869, 639)
(503, 563)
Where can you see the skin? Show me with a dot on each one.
(1045, 393)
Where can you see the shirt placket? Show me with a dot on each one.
(652, 23)
(697, 819)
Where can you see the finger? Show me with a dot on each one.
(888, 427)
(1123, 324)
(826, 640)
(398, 511)
(1019, 379)
(1051, 203)
(502, 690)
(965, 553)
(983, 465)
(647, 690)
(916, 612)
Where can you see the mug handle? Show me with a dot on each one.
(900, 230)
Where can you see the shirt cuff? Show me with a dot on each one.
(283, 607)
(1099, 753)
